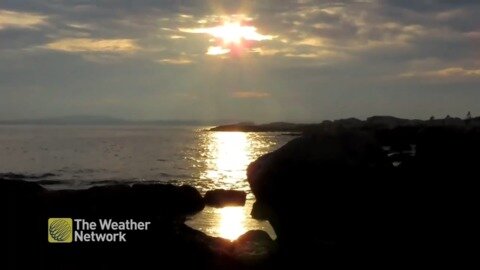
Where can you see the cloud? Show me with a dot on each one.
(14, 19)
(452, 72)
(175, 61)
(177, 37)
(76, 45)
(217, 50)
(312, 41)
(250, 95)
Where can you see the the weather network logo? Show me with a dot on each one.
(60, 230)
(77, 230)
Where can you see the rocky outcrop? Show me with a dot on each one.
(168, 243)
(222, 197)
(320, 175)
(338, 194)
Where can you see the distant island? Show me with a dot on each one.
(371, 122)
(105, 120)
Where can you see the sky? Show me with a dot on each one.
(269, 60)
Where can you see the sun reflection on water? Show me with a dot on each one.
(225, 157)
(232, 222)
(230, 156)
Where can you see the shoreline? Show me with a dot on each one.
(373, 122)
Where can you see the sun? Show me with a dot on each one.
(231, 33)
(230, 36)
(234, 33)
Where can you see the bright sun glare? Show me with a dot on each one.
(234, 33)
(230, 36)
(231, 223)
(230, 156)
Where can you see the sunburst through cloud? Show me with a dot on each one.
(233, 37)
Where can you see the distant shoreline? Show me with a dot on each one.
(371, 122)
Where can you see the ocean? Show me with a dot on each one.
(75, 157)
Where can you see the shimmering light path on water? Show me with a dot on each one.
(226, 156)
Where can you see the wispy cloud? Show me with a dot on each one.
(14, 19)
(452, 72)
(76, 45)
(217, 50)
(177, 37)
(175, 61)
(250, 95)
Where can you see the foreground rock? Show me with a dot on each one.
(254, 247)
(334, 198)
(260, 211)
(222, 197)
(167, 244)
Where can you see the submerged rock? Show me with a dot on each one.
(222, 197)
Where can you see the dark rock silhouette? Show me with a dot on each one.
(168, 244)
(260, 211)
(222, 197)
(328, 169)
(254, 247)
(336, 194)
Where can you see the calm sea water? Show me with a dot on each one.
(82, 156)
